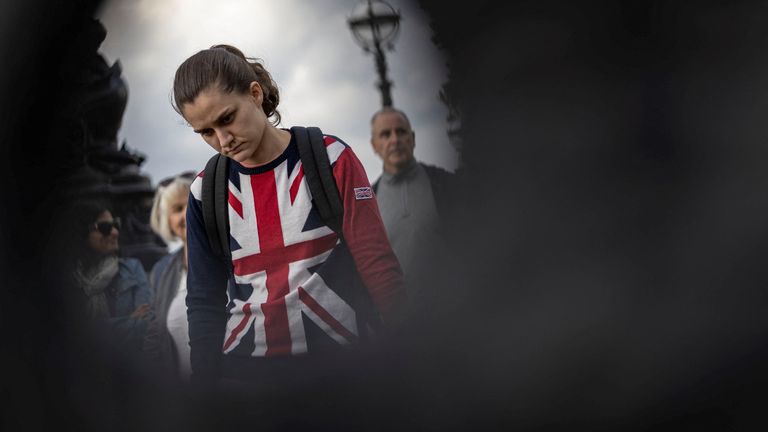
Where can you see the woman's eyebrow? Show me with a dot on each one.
(226, 112)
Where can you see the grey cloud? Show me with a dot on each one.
(337, 91)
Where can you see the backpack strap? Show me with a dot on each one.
(317, 170)
(326, 178)
(322, 185)
(215, 191)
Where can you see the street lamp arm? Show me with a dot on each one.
(374, 23)
(371, 21)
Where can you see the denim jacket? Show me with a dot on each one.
(127, 291)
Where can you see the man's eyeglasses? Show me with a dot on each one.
(185, 175)
(105, 227)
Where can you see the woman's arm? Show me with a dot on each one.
(365, 235)
(206, 296)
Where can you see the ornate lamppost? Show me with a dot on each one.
(375, 25)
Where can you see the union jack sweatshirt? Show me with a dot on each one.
(292, 286)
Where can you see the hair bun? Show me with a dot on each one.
(231, 49)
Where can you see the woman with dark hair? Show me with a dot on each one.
(291, 277)
(115, 290)
(166, 344)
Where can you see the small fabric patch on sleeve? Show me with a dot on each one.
(363, 193)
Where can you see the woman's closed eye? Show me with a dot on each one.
(227, 118)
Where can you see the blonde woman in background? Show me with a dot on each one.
(166, 345)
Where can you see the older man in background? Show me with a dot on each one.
(413, 197)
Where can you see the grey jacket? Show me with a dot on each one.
(443, 187)
(159, 350)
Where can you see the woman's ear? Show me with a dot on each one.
(257, 92)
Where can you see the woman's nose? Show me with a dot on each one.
(224, 138)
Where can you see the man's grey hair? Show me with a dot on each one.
(387, 110)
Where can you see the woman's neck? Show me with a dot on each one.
(273, 144)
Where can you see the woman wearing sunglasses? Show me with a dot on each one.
(115, 290)
(292, 289)
(166, 344)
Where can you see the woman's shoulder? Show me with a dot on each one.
(196, 188)
(133, 267)
(166, 261)
(130, 273)
(130, 263)
(335, 146)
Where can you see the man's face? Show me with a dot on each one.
(393, 140)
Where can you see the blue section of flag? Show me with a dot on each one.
(313, 220)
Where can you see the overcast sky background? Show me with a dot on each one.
(325, 79)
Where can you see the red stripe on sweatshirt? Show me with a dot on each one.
(270, 231)
(236, 205)
(296, 183)
(315, 307)
(240, 326)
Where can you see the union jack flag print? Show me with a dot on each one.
(294, 287)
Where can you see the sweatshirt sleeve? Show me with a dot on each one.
(206, 296)
(365, 235)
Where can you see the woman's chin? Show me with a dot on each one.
(242, 159)
(236, 156)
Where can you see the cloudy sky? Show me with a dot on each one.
(324, 78)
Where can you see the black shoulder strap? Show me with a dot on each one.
(319, 174)
(221, 195)
(215, 204)
(326, 178)
(317, 170)
(209, 215)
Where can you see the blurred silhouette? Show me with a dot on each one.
(612, 245)
(92, 113)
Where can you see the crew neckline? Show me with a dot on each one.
(408, 171)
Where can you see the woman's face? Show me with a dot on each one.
(232, 123)
(177, 215)
(103, 244)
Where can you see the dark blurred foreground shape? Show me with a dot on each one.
(609, 270)
(615, 237)
(88, 111)
(92, 111)
(62, 106)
